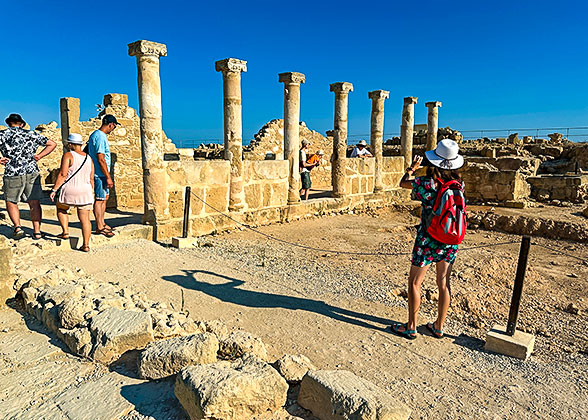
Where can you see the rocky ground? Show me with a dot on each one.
(335, 309)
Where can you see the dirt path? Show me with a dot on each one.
(334, 309)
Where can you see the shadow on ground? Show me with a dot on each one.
(231, 292)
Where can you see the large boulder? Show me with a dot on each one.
(239, 343)
(341, 395)
(116, 331)
(72, 312)
(167, 357)
(294, 367)
(230, 390)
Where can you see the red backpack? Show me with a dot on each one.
(448, 223)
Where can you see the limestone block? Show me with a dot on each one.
(239, 343)
(71, 312)
(341, 395)
(167, 357)
(182, 243)
(253, 196)
(279, 196)
(230, 391)
(116, 99)
(217, 197)
(6, 289)
(58, 294)
(259, 170)
(176, 204)
(294, 367)
(215, 172)
(79, 340)
(217, 328)
(115, 331)
(355, 185)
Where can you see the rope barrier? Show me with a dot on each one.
(557, 251)
(332, 251)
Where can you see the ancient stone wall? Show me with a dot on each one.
(359, 175)
(266, 183)
(484, 183)
(209, 180)
(268, 143)
(558, 187)
(392, 171)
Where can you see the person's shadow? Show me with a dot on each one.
(231, 292)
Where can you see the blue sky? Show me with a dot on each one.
(499, 64)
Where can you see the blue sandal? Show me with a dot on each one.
(434, 331)
(409, 334)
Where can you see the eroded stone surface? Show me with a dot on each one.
(341, 395)
(168, 357)
(239, 343)
(117, 331)
(230, 391)
(294, 367)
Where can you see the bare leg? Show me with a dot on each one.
(13, 213)
(415, 281)
(99, 212)
(63, 218)
(306, 193)
(36, 215)
(443, 274)
(84, 216)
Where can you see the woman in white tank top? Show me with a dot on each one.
(76, 179)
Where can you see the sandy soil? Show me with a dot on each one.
(336, 308)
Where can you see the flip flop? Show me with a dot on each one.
(37, 236)
(434, 331)
(63, 236)
(18, 232)
(84, 248)
(105, 232)
(409, 334)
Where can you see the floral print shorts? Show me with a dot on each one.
(428, 250)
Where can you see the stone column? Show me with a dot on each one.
(292, 81)
(152, 148)
(432, 124)
(377, 134)
(407, 129)
(341, 90)
(70, 118)
(231, 69)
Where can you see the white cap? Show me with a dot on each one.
(320, 152)
(446, 155)
(75, 138)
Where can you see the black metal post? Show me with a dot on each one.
(518, 286)
(577, 168)
(186, 212)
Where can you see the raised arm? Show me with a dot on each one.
(406, 181)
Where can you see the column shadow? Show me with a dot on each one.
(231, 292)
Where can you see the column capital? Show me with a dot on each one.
(410, 100)
(377, 94)
(433, 104)
(143, 47)
(231, 64)
(341, 87)
(291, 77)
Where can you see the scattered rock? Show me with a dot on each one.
(239, 343)
(79, 340)
(230, 390)
(339, 394)
(218, 328)
(572, 309)
(293, 368)
(115, 331)
(71, 312)
(167, 357)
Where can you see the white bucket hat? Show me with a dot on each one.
(446, 155)
(320, 152)
(75, 138)
(362, 143)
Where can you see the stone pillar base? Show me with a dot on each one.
(520, 345)
(181, 243)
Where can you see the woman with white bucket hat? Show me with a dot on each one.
(444, 162)
(74, 187)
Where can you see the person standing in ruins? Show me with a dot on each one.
(443, 163)
(22, 180)
(305, 168)
(99, 151)
(75, 183)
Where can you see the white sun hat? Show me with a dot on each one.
(446, 155)
(75, 138)
(362, 143)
